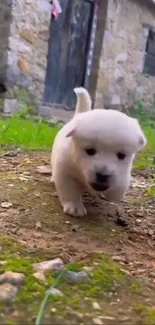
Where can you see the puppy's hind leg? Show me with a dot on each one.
(69, 192)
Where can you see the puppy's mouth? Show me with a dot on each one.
(99, 187)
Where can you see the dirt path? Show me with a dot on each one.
(33, 217)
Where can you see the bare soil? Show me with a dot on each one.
(35, 218)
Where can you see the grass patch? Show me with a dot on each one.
(26, 133)
(146, 158)
(20, 131)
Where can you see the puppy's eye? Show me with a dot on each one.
(90, 151)
(121, 155)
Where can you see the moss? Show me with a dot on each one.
(105, 277)
(151, 191)
(140, 308)
(150, 318)
(136, 287)
(75, 267)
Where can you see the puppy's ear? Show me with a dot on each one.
(72, 127)
(142, 141)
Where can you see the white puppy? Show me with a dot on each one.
(94, 152)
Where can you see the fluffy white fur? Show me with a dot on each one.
(110, 133)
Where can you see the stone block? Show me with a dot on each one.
(16, 77)
(23, 65)
(121, 57)
(115, 100)
(10, 106)
(28, 35)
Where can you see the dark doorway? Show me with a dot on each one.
(69, 51)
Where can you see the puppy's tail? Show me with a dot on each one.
(84, 101)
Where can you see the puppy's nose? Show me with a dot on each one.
(102, 178)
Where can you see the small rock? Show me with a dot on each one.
(39, 276)
(23, 179)
(31, 250)
(68, 222)
(53, 310)
(51, 265)
(118, 258)
(96, 306)
(151, 232)
(138, 221)
(12, 278)
(38, 225)
(76, 276)
(7, 292)
(6, 205)
(88, 268)
(97, 321)
(56, 292)
(26, 173)
(139, 214)
(2, 263)
(152, 274)
(121, 222)
(75, 228)
(125, 272)
(125, 319)
(138, 263)
(44, 170)
(107, 317)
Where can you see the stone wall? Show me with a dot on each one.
(121, 81)
(5, 20)
(28, 47)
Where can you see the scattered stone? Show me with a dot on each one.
(97, 321)
(152, 274)
(6, 205)
(75, 228)
(107, 317)
(2, 263)
(138, 221)
(10, 106)
(38, 225)
(26, 173)
(23, 179)
(96, 306)
(119, 258)
(151, 232)
(53, 310)
(88, 268)
(121, 222)
(51, 265)
(7, 292)
(56, 292)
(39, 276)
(138, 263)
(125, 272)
(12, 278)
(31, 250)
(76, 276)
(76, 313)
(45, 170)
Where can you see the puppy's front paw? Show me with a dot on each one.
(75, 210)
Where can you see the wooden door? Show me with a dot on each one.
(68, 51)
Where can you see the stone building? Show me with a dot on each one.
(105, 45)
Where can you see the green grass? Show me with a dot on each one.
(146, 158)
(26, 133)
